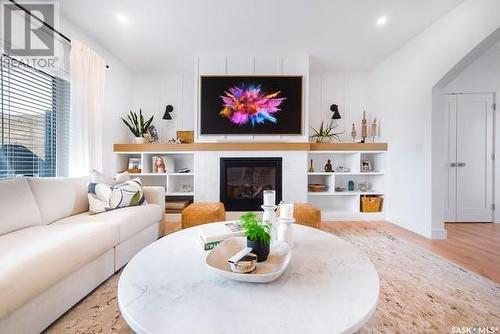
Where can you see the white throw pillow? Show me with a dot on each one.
(104, 197)
(98, 177)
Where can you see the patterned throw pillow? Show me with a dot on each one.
(104, 197)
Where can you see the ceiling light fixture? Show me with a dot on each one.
(382, 21)
(123, 19)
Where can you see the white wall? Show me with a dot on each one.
(482, 76)
(117, 96)
(402, 93)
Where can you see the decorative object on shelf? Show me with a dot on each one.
(269, 197)
(364, 186)
(366, 165)
(350, 185)
(168, 110)
(371, 203)
(137, 125)
(184, 170)
(328, 166)
(353, 133)
(174, 141)
(342, 169)
(317, 187)
(374, 132)
(186, 137)
(326, 134)
(151, 135)
(159, 166)
(134, 165)
(364, 128)
(340, 189)
(258, 235)
(186, 188)
(311, 168)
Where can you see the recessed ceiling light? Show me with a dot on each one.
(123, 19)
(382, 21)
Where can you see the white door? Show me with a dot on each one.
(470, 142)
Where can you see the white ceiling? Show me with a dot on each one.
(338, 34)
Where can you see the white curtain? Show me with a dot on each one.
(87, 71)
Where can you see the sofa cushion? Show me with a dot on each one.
(130, 220)
(18, 207)
(60, 197)
(104, 197)
(35, 258)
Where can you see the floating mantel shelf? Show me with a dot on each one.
(249, 147)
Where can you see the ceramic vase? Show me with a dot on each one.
(260, 249)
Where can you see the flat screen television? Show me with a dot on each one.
(251, 105)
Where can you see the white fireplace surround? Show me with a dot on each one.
(207, 173)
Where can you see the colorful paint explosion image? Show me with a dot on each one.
(245, 104)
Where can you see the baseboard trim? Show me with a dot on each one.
(439, 234)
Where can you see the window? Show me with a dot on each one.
(34, 124)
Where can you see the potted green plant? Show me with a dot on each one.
(326, 134)
(137, 125)
(258, 235)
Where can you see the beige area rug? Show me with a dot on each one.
(420, 292)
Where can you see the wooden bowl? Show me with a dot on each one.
(317, 187)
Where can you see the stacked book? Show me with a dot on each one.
(212, 235)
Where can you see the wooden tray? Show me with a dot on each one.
(266, 271)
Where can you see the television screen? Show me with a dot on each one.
(251, 105)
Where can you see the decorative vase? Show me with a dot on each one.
(323, 140)
(139, 140)
(260, 249)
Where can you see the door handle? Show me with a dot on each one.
(461, 164)
(453, 164)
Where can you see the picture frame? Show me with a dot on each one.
(159, 164)
(134, 165)
(366, 166)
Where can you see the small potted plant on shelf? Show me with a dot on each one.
(137, 125)
(326, 134)
(258, 235)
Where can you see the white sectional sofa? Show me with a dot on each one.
(53, 253)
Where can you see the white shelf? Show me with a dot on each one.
(161, 174)
(179, 193)
(180, 174)
(346, 173)
(343, 193)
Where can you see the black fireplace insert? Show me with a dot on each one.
(243, 181)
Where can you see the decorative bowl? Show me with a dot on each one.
(317, 187)
(267, 271)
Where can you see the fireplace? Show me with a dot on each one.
(243, 181)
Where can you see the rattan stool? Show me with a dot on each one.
(200, 213)
(306, 214)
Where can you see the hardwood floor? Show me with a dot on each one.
(473, 246)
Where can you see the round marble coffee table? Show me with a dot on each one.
(329, 287)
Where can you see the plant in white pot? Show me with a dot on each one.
(326, 133)
(137, 125)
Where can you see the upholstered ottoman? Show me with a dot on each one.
(306, 214)
(200, 213)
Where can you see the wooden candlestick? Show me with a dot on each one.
(353, 133)
(374, 129)
(364, 128)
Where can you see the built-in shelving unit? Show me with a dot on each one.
(344, 204)
(172, 180)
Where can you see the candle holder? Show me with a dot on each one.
(285, 231)
(269, 217)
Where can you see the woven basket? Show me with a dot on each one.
(371, 204)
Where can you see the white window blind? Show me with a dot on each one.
(34, 124)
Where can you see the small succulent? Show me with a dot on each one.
(254, 229)
(136, 123)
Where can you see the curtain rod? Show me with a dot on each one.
(45, 24)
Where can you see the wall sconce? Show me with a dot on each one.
(168, 110)
(335, 109)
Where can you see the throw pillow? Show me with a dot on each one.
(104, 197)
(98, 177)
